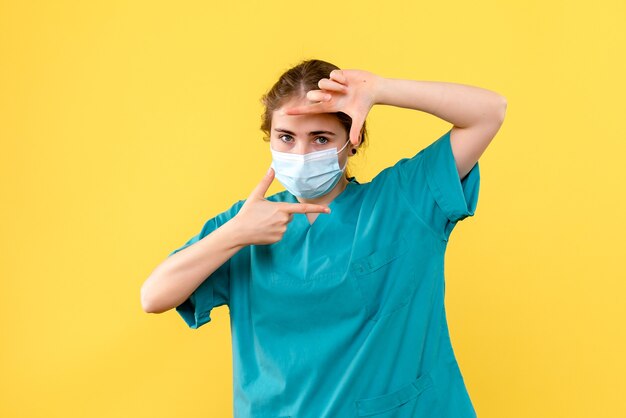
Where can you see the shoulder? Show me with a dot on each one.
(403, 171)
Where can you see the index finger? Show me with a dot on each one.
(304, 208)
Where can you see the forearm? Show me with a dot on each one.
(180, 274)
(459, 104)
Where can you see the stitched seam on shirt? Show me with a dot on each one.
(442, 200)
(413, 211)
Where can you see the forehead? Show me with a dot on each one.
(304, 122)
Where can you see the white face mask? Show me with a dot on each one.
(308, 175)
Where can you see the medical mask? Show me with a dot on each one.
(308, 175)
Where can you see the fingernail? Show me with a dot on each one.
(269, 170)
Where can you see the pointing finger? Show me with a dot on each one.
(305, 208)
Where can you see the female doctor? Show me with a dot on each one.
(335, 288)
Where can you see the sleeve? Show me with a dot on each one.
(215, 290)
(430, 183)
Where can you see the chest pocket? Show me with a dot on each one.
(385, 278)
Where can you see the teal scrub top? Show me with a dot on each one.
(346, 317)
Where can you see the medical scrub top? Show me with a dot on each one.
(345, 317)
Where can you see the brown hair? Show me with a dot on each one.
(295, 83)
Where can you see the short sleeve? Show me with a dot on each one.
(430, 183)
(215, 290)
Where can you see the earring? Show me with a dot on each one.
(353, 151)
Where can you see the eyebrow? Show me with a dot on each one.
(310, 133)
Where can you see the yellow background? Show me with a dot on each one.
(125, 125)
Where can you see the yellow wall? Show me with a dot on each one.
(125, 125)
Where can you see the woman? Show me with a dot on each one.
(336, 288)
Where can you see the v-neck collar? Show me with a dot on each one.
(323, 217)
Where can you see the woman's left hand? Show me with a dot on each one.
(352, 92)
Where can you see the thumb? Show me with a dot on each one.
(261, 188)
(355, 130)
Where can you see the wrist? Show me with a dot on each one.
(378, 90)
(236, 233)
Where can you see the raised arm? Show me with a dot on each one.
(476, 113)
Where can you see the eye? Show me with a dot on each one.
(281, 137)
(324, 138)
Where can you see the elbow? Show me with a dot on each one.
(148, 304)
(501, 109)
(493, 112)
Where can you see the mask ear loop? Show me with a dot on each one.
(344, 166)
(344, 146)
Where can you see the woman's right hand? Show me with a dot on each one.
(261, 221)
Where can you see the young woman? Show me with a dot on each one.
(335, 287)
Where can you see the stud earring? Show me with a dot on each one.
(353, 151)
